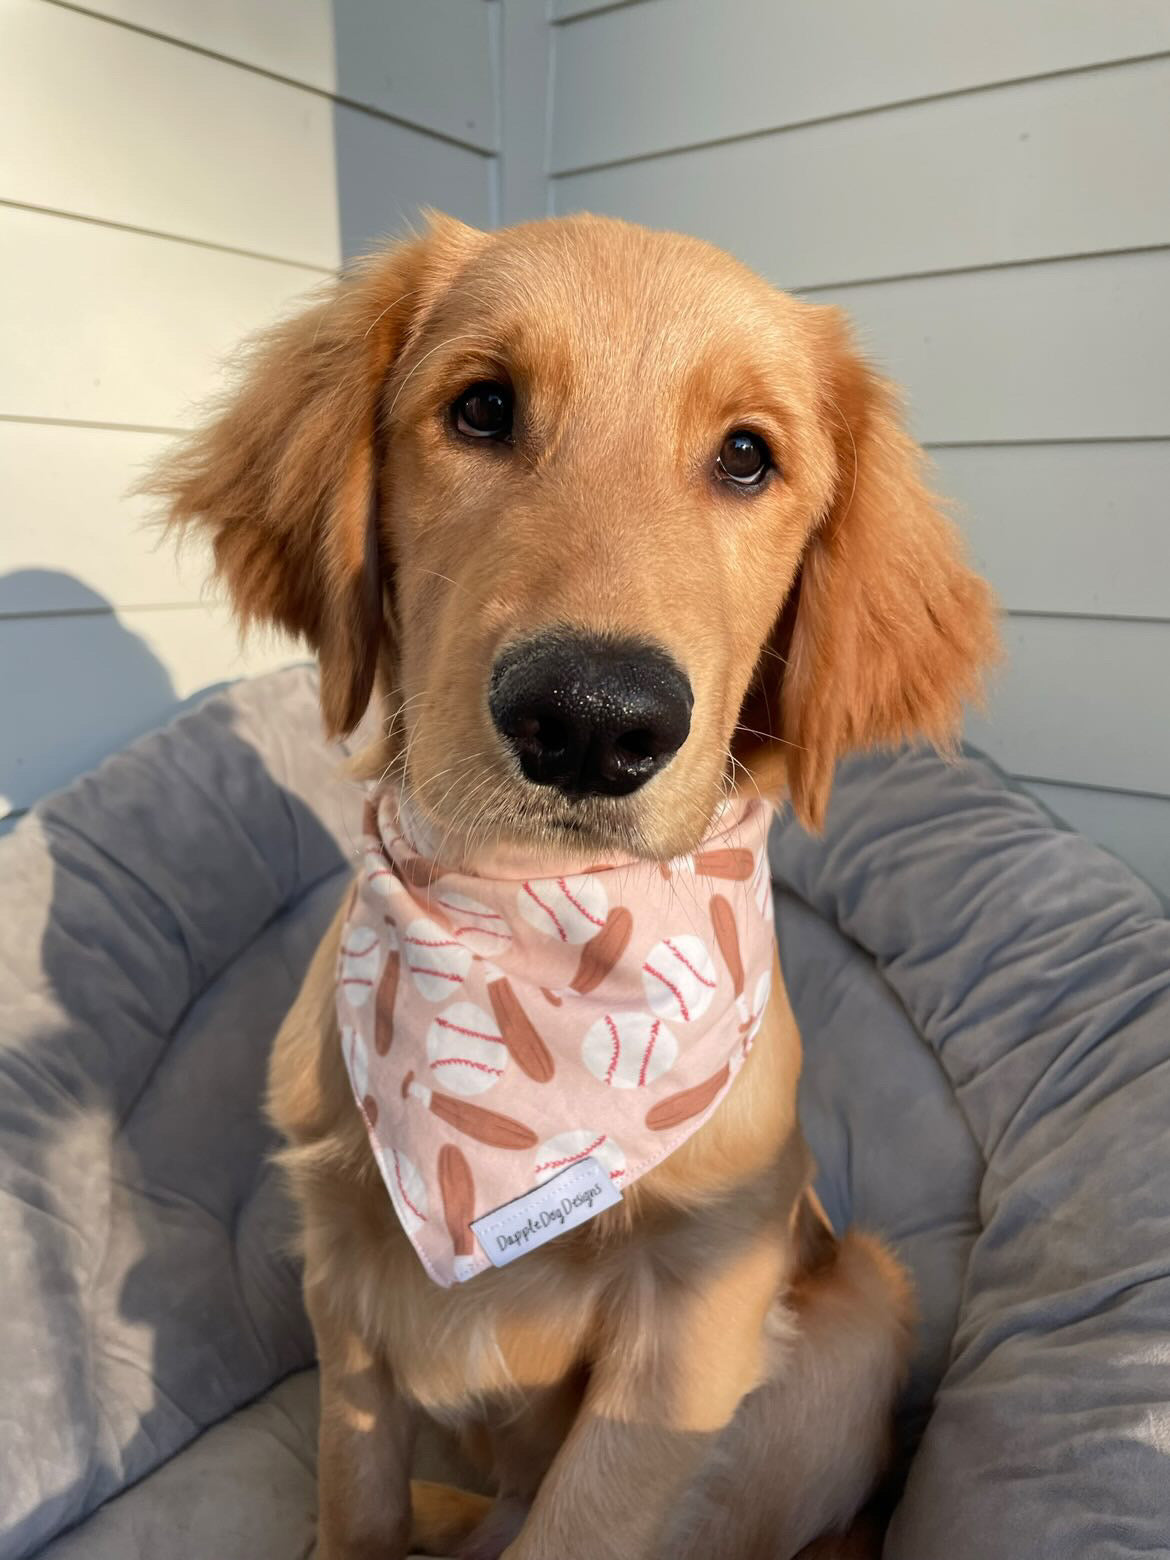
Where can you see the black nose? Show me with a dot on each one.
(592, 716)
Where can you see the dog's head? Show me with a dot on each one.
(609, 525)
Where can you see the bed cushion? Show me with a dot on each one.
(156, 920)
(1017, 1152)
(985, 1008)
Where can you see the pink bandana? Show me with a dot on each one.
(523, 1047)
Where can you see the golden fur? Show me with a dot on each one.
(633, 1387)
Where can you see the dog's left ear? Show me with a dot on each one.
(888, 631)
(284, 481)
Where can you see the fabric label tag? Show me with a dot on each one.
(573, 1197)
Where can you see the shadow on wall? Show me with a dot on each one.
(364, 221)
(433, 152)
(77, 686)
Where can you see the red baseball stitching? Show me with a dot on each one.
(649, 1051)
(483, 931)
(671, 987)
(548, 910)
(425, 969)
(472, 1034)
(466, 1061)
(682, 959)
(613, 1061)
(576, 903)
(360, 953)
(418, 1213)
(433, 942)
(492, 915)
(571, 1159)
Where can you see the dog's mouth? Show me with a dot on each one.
(497, 808)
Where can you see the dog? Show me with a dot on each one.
(610, 537)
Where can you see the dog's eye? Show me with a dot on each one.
(484, 411)
(744, 459)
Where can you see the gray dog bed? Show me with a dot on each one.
(986, 1004)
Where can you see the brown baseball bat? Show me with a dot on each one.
(518, 1033)
(370, 1111)
(458, 1191)
(418, 871)
(384, 1004)
(486, 1126)
(723, 920)
(736, 865)
(676, 1109)
(603, 950)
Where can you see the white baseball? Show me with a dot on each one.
(569, 909)
(629, 1050)
(360, 956)
(378, 873)
(762, 883)
(755, 1017)
(357, 1061)
(408, 1190)
(464, 1049)
(680, 978)
(437, 961)
(558, 1153)
(476, 925)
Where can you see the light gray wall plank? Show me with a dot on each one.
(1083, 701)
(668, 73)
(102, 325)
(72, 538)
(1046, 168)
(141, 132)
(95, 683)
(430, 63)
(1072, 350)
(1067, 527)
(293, 38)
(1136, 828)
(378, 52)
(524, 91)
(565, 10)
(387, 173)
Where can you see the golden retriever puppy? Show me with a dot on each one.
(617, 539)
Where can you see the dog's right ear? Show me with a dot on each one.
(284, 480)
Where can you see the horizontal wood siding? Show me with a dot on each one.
(1048, 168)
(1072, 528)
(202, 149)
(102, 325)
(73, 537)
(1070, 350)
(427, 64)
(1084, 700)
(982, 189)
(173, 177)
(677, 73)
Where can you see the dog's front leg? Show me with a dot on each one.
(668, 1376)
(364, 1449)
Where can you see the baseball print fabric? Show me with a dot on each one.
(502, 1026)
